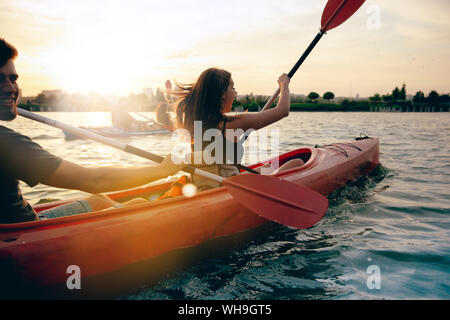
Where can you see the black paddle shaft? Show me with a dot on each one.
(300, 61)
(305, 54)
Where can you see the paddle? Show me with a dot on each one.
(270, 197)
(335, 13)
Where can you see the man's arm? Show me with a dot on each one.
(105, 179)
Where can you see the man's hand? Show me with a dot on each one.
(171, 164)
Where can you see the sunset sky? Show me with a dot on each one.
(119, 47)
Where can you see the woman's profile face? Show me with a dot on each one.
(228, 97)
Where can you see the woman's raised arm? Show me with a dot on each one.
(260, 120)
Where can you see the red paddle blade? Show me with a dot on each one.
(278, 200)
(337, 12)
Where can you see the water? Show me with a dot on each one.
(396, 219)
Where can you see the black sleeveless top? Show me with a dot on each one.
(230, 153)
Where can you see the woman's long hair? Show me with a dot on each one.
(202, 101)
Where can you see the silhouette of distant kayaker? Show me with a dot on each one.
(162, 116)
(123, 121)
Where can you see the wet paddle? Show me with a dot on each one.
(289, 204)
(268, 196)
(336, 12)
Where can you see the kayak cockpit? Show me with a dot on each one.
(295, 159)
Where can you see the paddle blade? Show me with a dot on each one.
(278, 200)
(337, 12)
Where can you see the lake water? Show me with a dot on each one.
(394, 223)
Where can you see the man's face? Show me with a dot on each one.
(9, 91)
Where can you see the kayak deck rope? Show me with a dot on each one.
(338, 147)
(362, 136)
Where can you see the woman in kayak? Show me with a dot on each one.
(209, 100)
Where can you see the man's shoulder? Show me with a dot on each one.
(10, 138)
(24, 159)
(8, 131)
(8, 134)
(4, 129)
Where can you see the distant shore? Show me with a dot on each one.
(349, 106)
(354, 106)
(397, 101)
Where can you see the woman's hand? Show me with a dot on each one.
(284, 80)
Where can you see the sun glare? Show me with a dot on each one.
(103, 68)
(108, 56)
(97, 119)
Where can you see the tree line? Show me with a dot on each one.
(433, 98)
(57, 100)
(397, 99)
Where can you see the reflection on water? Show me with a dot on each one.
(397, 218)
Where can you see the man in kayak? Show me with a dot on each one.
(22, 159)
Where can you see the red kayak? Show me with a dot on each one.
(37, 254)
